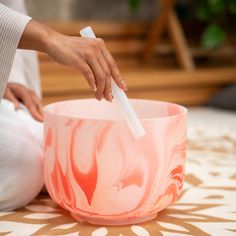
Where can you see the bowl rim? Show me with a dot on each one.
(183, 111)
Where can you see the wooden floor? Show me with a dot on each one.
(160, 78)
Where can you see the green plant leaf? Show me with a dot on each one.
(213, 36)
(134, 4)
(216, 6)
(232, 6)
(203, 12)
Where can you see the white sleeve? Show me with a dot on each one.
(12, 25)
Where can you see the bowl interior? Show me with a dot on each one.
(92, 109)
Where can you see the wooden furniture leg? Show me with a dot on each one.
(181, 48)
(167, 20)
(157, 27)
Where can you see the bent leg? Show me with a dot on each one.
(21, 158)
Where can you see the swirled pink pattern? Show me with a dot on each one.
(96, 169)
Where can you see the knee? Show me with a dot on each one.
(21, 170)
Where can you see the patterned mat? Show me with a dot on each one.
(207, 205)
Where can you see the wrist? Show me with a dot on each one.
(36, 36)
(44, 38)
(51, 40)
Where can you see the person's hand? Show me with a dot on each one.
(91, 57)
(17, 93)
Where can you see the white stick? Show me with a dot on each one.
(121, 98)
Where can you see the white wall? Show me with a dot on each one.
(90, 9)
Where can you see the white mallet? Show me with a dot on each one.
(121, 98)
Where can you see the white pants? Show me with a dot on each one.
(21, 157)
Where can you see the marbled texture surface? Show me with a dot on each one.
(96, 169)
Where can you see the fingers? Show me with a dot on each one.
(16, 92)
(92, 58)
(10, 96)
(103, 67)
(100, 78)
(107, 90)
(34, 112)
(38, 105)
(88, 74)
(32, 103)
(32, 107)
(115, 72)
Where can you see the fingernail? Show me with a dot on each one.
(96, 96)
(110, 97)
(94, 88)
(124, 85)
(100, 97)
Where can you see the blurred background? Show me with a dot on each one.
(91, 10)
(180, 51)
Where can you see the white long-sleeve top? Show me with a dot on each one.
(25, 68)
(12, 25)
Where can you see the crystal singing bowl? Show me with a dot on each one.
(95, 168)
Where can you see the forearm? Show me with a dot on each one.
(36, 36)
(90, 56)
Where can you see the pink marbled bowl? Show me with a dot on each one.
(95, 169)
